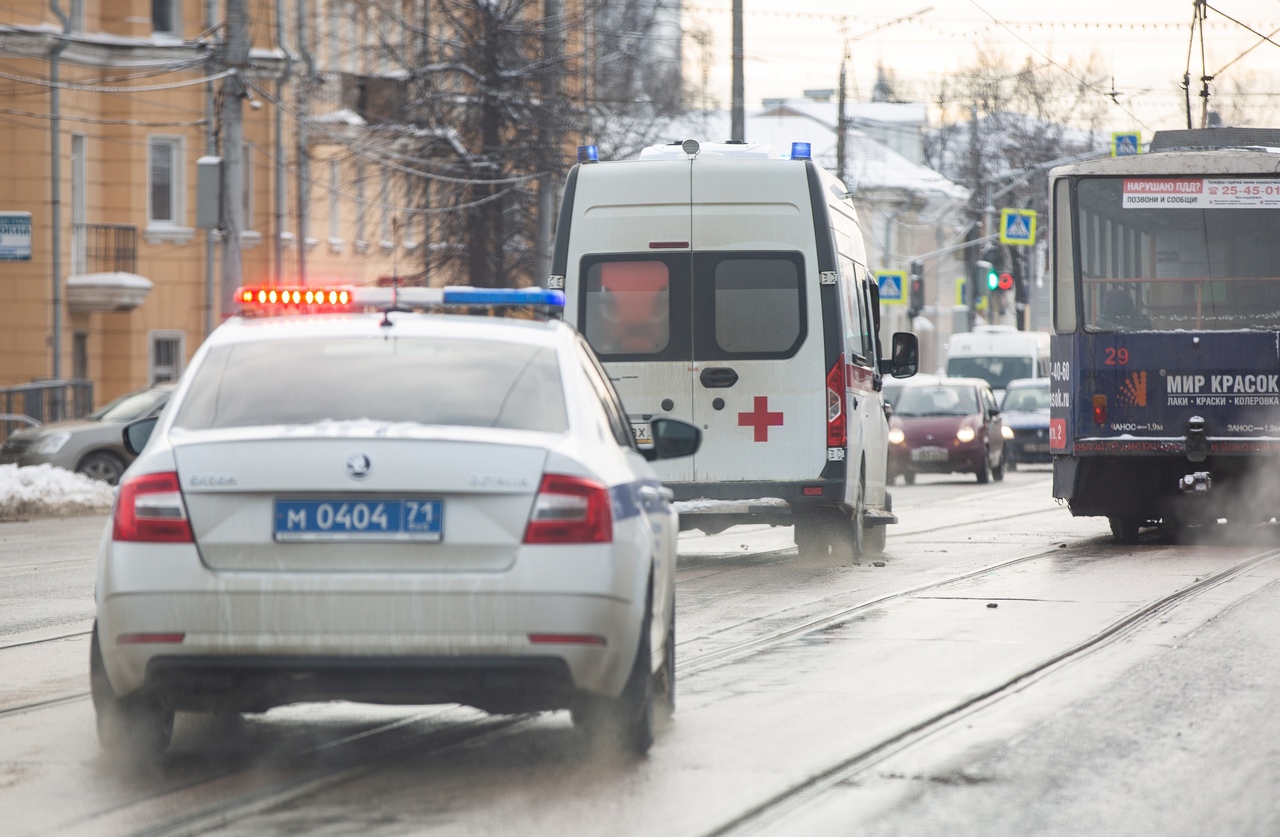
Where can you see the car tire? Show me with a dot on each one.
(1011, 465)
(984, 468)
(997, 473)
(667, 674)
(136, 727)
(909, 477)
(101, 465)
(1125, 528)
(626, 720)
(812, 538)
(849, 534)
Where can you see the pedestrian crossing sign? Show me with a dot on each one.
(893, 285)
(1018, 226)
(1126, 143)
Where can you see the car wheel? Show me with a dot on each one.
(134, 727)
(1011, 465)
(909, 477)
(626, 720)
(848, 534)
(984, 468)
(1125, 528)
(998, 472)
(667, 674)
(101, 466)
(812, 537)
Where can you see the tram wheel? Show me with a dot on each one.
(1125, 528)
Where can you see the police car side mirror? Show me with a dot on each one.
(905, 360)
(672, 438)
(137, 433)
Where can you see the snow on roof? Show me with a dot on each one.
(48, 491)
(905, 113)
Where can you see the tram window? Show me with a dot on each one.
(1064, 308)
(1169, 266)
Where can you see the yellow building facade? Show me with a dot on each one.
(126, 94)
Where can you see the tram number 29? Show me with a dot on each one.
(1116, 357)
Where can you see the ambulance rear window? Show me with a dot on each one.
(628, 307)
(758, 304)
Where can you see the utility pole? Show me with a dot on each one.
(550, 140)
(236, 57)
(303, 190)
(840, 122)
(738, 128)
(971, 255)
(55, 197)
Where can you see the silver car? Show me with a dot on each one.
(390, 508)
(91, 445)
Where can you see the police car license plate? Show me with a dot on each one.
(929, 455)
(359, 520)
(642, 433)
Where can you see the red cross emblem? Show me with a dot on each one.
(760, 418)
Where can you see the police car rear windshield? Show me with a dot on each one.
(470, 383)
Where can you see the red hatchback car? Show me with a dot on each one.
(946, 427)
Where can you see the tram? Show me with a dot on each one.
(1165, 357)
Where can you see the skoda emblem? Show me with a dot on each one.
(358, 466)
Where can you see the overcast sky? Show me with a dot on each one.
(794, 45)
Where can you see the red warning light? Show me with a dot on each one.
(1006, 282)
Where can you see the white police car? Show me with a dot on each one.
(388, 507)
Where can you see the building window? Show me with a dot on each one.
(360, 205)
(164, 357)
(166, 17)
(80, 355)
(164, 180)
(335, 205)
(79, 206)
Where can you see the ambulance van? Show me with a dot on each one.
(727, 285)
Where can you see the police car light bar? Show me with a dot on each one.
(801, 151)
(322, 299)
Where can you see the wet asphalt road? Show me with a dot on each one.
(787, 670)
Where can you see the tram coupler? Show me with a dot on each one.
(1197, 444)
(1197, 483)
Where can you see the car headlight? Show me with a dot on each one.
(896, 436)
(50, 445)
(965, 434)
(1006, 431)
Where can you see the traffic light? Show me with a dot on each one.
(985, 277)
(915, 301)
(1006, 282)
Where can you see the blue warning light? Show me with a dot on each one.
(800, 151)
(588, 154)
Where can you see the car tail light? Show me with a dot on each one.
(835, 405)
(149, 507)
(570, 510)
(1099, 409)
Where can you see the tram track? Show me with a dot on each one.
(769, 815)
(372, 756)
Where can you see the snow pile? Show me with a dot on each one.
(47, 491)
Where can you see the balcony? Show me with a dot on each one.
(104, 248)
(104, 258)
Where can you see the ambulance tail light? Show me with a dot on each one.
(1099, 410)
(836, 435)
(570, 509)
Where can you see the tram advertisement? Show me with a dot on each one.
(1138, 392)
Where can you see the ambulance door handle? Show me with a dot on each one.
(718, 377)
